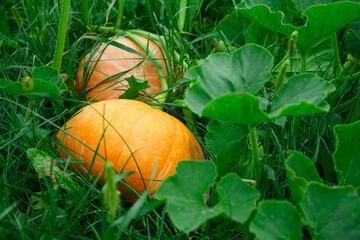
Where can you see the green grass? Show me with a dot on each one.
(29, 42)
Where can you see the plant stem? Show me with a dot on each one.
(256, 156)
(60, 41)
(336, 52)
(159, 70)
(121, 10)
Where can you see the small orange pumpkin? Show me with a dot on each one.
(109, 60)
(132, 136)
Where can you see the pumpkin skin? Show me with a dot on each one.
(110, 60)
(150, 134)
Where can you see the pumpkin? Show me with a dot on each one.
(108, 60)
(132, 136)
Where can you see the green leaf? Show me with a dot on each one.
(231, 28)
(303, 94)
(259, 35)
(286, 7)
(238, 108)
(305, 4)
(300, 170)
(236, 198)
(322, 21)
(184, 194)
(45, 165)
(238, 75)
(37, 202)
(332, 212)
(135, 86)
(347, 154)
(353, 39)
(50, 74)
(227, 141)
(4, 82)
(45, 82)
(277, 220)
(41, 88)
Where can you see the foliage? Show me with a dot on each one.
(278, 119)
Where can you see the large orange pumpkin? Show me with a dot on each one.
(109, 60)
(132, 136)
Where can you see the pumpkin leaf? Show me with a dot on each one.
(347, 154)
(259, 35)
(4, 82)
(236, 198)
(286, 7)
(50, 74)
(303, 94)
(135, 86)
(231, 28)
(322, 20)
(227, 141)
(45, 82)
(332, 212)
(184, 194)
(305, 4)
(237, 78)
(45, 165)
(277, 220)
(238, 108)
(300, 170)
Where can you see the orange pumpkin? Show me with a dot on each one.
(132, 136)
(109, 60)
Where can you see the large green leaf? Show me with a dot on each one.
(50, 74)
(45, 81)
(236, 198)
(285, 6)
(227, 141)
(305, 4)
(184, 194)
(261, 36)
(300, 170)
(332, 212)
(347, 154)
(303, 94)
(231, 28)
(243, 71)
(239, 108)
(277, 220)
(228, 93)
(322, 20)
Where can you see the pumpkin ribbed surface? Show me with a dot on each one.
(109, 60)
(118, 128)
